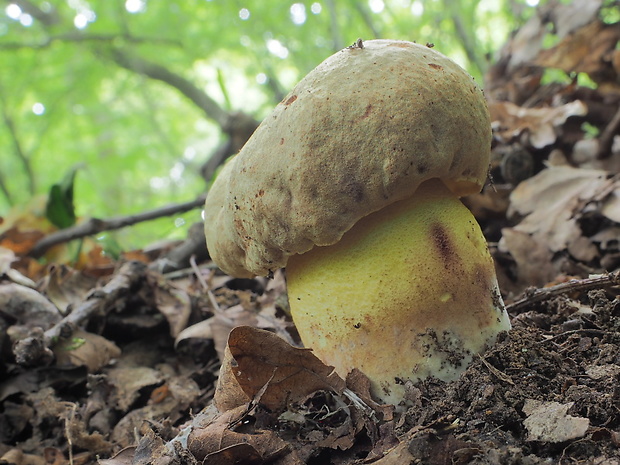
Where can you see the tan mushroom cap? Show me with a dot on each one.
(362, 130)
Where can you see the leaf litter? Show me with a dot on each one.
(117, 362)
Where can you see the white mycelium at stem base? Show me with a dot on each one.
(409, 291)
(353, 184)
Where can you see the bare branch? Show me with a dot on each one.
(5, 190)
(334, 26)
(95, 225)
(367, 18)
(18, 148)
(47, 18)
(81, 37)
(468, 39)
(186, 87)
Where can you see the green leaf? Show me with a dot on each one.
(60, 209)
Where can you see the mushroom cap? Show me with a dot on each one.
(361, 131)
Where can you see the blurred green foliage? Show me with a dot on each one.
(71, 90)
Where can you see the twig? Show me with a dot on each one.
(538, 295)
(598, 332)
(606, 139)
(95, 225)
(128, 275)
(499, 374)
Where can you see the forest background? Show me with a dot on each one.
(134, 97)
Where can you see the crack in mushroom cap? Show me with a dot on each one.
(362, 130)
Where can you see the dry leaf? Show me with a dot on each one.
(7, 256)
(603, 371)
(262, 362)
(27, 307)
(127, 383)
(585, 51)
(552, 200)
(218, 435)
(568, 18)
(123, 457)
(549, 422)
(18, 457)
(223, 322)
(175, 305)
(611, 207)
(533, 259)
(509, 121)
(85, 349)
(200, 330)
(67, 287)
(181, 393)
(228, 393)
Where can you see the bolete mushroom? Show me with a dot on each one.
(353, 184)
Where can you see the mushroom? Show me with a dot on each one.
(353, 184)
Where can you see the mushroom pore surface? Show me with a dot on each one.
(361, 131)
(408, 292)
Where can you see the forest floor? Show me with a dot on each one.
(117, 361)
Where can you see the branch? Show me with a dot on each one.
(80, 37)
(5, 190)
(95, 225)
(48, 18)
(366, 17)
(538, 295)
(19, 150)
(468, 40)
(186, 87)
(334, 26)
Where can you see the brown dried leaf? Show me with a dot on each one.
(586, 51)
(85, 349)
(228, 393)
(67, 287)
(18, 457)
(237, 453)
(218, 435)
(223, 322)
(549, 422)
(7, 256)
(397, 455)
(123, 457)
(127, 383)
(552, 200)
(533, 259)
(290, 374)
(180, 392)
(568, 18)
(509, 121)
(27, 306)
(200, 330)
(20, 241)
(611, 207)
(174, 304)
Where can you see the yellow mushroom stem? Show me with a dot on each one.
(409, 292)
